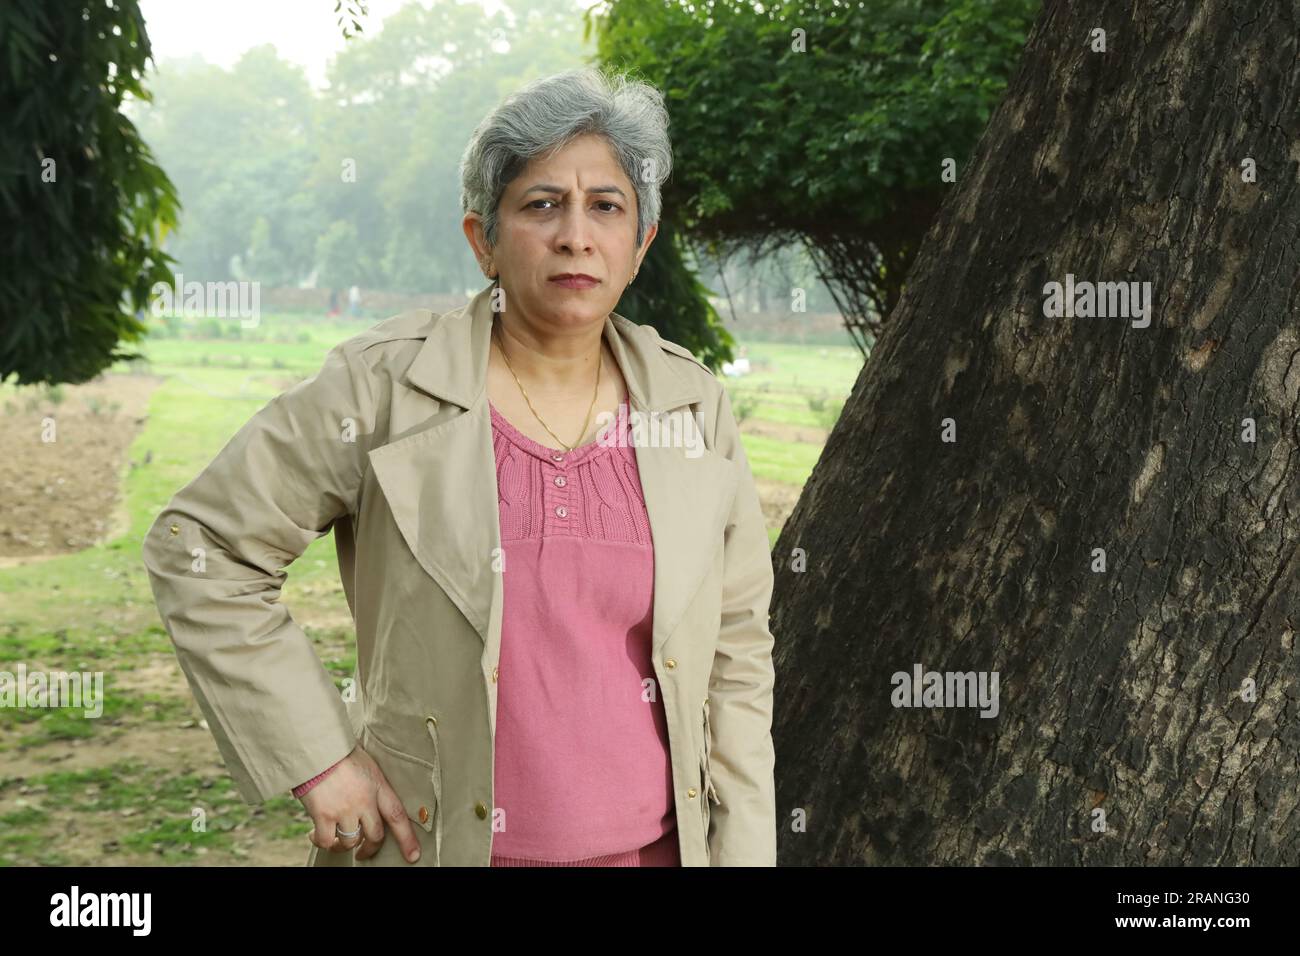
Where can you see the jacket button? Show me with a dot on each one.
(480, 810)
(494, 675)
(432, 720)
(690, 792)
(670, 663)
(424, 814)
(175, 529)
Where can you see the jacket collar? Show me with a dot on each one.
(440, 370)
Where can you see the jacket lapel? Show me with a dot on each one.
(440, 481)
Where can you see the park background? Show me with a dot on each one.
(793, 212)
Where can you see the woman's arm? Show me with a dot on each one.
(742, 828)
(216, 557)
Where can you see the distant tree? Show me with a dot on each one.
(240, 145)
(265, 261)
(337, 253)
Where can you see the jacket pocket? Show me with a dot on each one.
(708, 794)
(418, 784)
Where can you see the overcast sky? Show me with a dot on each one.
(303, 31)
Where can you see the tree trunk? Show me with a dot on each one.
(1149, 706)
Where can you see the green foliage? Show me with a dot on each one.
(355, 10)
(240, 147)
(667, 295)
(825, 410)
(89, 207)
(336, 251)
(744, 407)
(842, 139)
(765, 137)
(829, 414)
(266, 262)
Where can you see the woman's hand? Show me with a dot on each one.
(356, 794)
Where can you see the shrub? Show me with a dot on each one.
(830, 414)
(743, 407)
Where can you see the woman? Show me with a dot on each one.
(561, 598)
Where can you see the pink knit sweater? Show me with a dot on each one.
(582, 770)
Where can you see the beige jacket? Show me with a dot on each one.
(390, 444)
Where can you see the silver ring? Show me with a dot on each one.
(347, 835)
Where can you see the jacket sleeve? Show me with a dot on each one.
(742, 829)
(216, 557)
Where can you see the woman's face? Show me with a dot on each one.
(574, 212)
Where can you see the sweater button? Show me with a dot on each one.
(559, 481)
(557, 458)
(562, 511)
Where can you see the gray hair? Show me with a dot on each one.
(546, 114)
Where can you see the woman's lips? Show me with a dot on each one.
(577, 282)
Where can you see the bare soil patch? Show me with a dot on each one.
(65, 494)
(805, 434)
(777, 499)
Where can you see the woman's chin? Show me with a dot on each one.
(565, 313)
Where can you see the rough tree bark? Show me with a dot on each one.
(1120, 690)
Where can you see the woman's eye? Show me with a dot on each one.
(614, 207)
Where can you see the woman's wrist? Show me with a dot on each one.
(302, 788)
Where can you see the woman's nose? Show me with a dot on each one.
(574, 229)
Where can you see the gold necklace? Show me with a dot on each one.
(600, 360)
